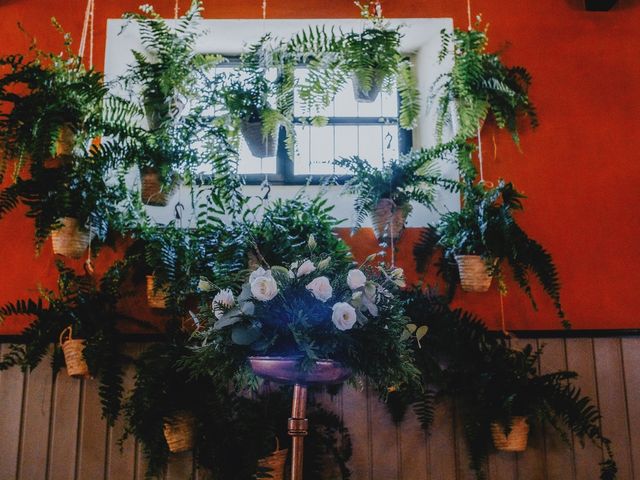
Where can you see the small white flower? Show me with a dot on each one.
(356, 279)
(312, 242)
(264, 288)
(223, 301)
(260, 272)
(306, 268)
(322, 264)
(344, 316)
(320, 288)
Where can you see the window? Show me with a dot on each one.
(369, 130)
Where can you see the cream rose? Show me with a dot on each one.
(305, 269)
(260, 272)
(344, 316)
(223, 301)
(264, 288)
(356, 279)
(320, 288)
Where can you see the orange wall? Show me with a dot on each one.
(580, 168)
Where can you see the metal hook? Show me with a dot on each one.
(178, 210)
(389, 137)
(265, 185)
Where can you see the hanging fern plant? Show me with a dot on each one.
(479, 85)
(486, 227)
(370, 59)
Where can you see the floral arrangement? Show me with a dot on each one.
(315, 310)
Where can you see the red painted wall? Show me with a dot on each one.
(580, 168)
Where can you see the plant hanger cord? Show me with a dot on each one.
(87, 29)
(176, 9)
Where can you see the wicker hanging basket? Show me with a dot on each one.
(389, 219)
(72, 240)
(66, 141)
(179, 431)
(516, 441)
(275, 462)
(152, 190)
(474, 273)
(73, 350)
(156, 297)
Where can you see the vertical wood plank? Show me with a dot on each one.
(463, 470)
(413, 448)
(442, 445)
(122, 458)
(37, 409)
(531, 463)
(384, 441)
(558, 454)
(64, 425)
(609, 375)
(357, 421)
(580, 360)
(631, 357)
(92, 451)
(11, 396)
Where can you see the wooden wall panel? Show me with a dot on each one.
(52, 428)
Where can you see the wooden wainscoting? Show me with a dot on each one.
(50, 428)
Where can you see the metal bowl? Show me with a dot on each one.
(287, 370)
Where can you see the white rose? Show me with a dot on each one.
(223, 301)
(320, 288)
(305, 269)
(356, 279)
(260, 272)
(264, 288)
(344, 316)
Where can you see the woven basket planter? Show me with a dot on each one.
(389, 220)
(259, 145)
(275, 462)
(152, 190)
(516, 441)
(156, 297)
(73, 350)
(66, 141)
(71, 240)
(179, 432)
(474, 274)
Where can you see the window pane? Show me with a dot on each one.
(370, 144)
(302, 161)
(322, 150)
(346, 144)
(247, 163)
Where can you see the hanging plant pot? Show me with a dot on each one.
(273, 464)
(179, 431)
(389, 220)
(152, 190)
(71, 240)
(474, 273)
(516, 441)
(73, 350)
(259, 145)
(370, 95)
(66, 141)
(156, 297)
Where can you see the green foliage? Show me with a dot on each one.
(486, 226)
(90, 309)
(479, 84)
(370, 58)
(232, 431)
(42, 96)
(492, 382)
(412, 177)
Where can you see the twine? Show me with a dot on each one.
(88, 29)
(469, 14)
(176, 9)
(264, 9)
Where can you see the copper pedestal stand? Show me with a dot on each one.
(286, 370)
